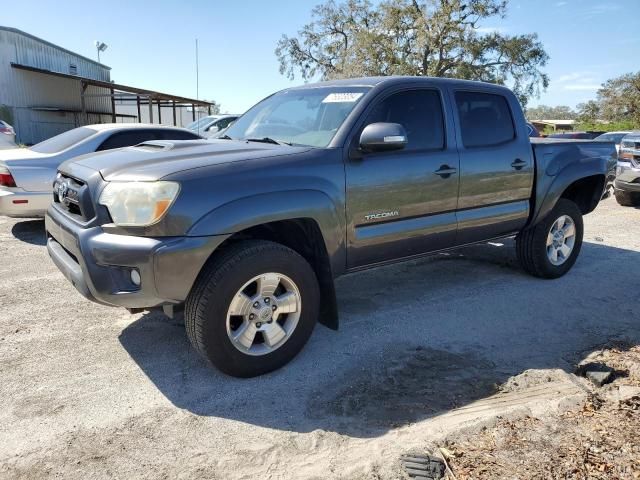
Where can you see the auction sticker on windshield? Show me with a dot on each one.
(346, 97)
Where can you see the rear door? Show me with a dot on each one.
(402, 203)
(496, 166)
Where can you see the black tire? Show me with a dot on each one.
(627, 199)
(531, 244)
(208, 302)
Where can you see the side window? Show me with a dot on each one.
(224, 123)
(485, 119)
(419, 112)
(175, 135)
(127, 139)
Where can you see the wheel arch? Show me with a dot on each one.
(305, 221)
(571, 184)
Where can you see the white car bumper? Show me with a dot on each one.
(16, 203)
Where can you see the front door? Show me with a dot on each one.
(403, 203)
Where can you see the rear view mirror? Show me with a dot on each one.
(383, 137)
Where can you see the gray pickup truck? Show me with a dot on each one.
(247, 233)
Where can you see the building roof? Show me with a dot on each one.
(33, 37)
(115, 86)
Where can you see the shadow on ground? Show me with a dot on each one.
(435, 345)
(30, 231)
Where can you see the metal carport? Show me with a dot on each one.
(142, 97)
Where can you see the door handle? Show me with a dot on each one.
(518, 164)
(445, 171)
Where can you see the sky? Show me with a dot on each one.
(152, 44)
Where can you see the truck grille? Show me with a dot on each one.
(72, 196)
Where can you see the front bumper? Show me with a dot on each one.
(627, 177)
(20, 204)
(99, 264)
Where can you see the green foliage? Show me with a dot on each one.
(439, 38)
(608, 126)
(6, 114)
(588, 112)
(545, 112)
(619, 98)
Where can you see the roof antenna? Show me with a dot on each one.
(197, 86)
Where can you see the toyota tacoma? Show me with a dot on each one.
(246, 233)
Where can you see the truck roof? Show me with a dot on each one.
(397, 79)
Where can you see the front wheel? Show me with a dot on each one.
(550, 248)
(252, 308)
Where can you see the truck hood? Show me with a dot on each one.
(152, 161)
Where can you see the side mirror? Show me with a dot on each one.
(383, 137)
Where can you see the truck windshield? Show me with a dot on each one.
(307, 116)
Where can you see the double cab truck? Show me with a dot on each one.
(246, 233)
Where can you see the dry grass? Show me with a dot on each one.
(599, 441)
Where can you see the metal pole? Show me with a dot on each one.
(197, 74)
(175, 123)
(150, 109)
(193, 111)
(85, 118)
(113, 107)
(159, 112)
(138, 105)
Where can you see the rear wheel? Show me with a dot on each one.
(627, 199)
(252, 308)
(550, 248)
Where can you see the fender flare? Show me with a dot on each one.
(554, 179)
(254, 210)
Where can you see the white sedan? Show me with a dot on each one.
(27, 174)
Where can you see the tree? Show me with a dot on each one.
(439, 38)
(589, 112)
(619, 98)
(215, 108)
(545, 112)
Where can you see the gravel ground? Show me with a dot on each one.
(93, 392)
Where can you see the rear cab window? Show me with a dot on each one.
(485, 119)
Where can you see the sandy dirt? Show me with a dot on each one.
(428, 351)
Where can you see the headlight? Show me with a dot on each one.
(137, 204)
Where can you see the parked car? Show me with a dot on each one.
(575, 135)
(211, 125)
(248, 232)
(220, 125)
(198, 125)
(26, 174)
(615, 137)
(7, 136)
(627, 183)
(533, 131)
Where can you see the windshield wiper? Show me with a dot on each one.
(267, 140)
(225, 137)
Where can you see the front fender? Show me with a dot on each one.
(556, 171)
(251, 211)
